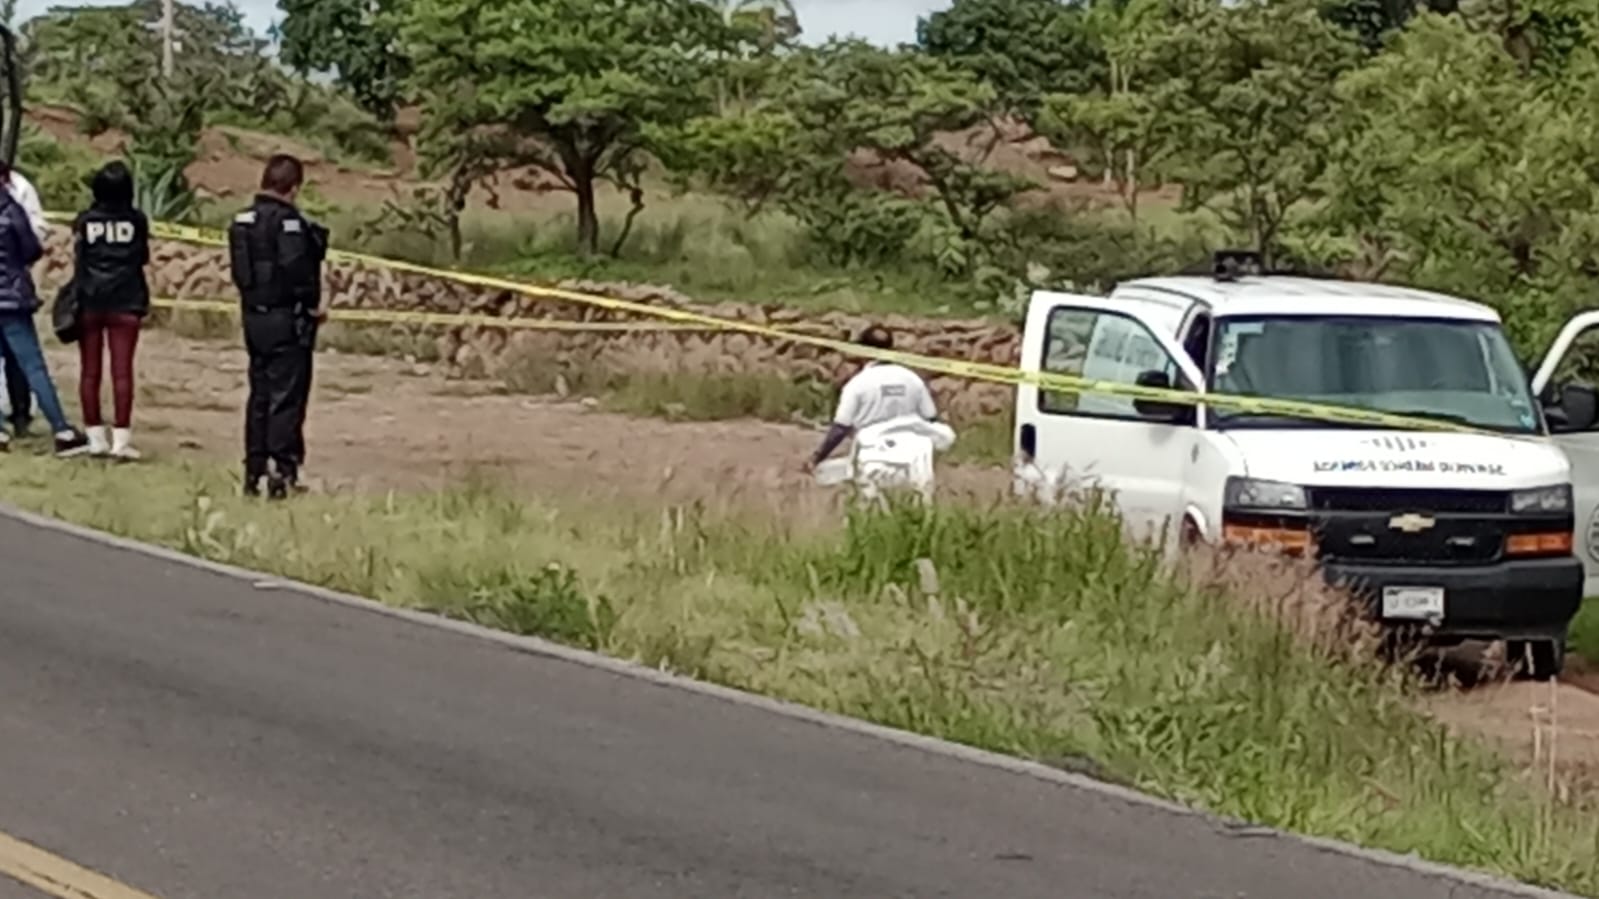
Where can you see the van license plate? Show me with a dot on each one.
(1413, 603)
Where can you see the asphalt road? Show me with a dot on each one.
(199, 738)
(10, 889)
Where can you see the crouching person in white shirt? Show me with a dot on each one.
(890, 412)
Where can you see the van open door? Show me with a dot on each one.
(1573, 413)
(1135, 450)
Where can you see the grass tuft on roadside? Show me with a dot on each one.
(1585, 632)
(1019, 629)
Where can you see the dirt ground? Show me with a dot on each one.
(1535, 723)
(379, 424)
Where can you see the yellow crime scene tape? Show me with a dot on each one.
(687, 320)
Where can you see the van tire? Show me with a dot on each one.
(1539, 660)
(1190, 536)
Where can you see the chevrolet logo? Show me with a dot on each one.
(1411, 523)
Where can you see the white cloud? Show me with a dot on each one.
(880, 21)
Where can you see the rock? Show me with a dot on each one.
(200, 273)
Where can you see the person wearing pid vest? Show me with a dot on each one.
(112, 247)
(276, 255)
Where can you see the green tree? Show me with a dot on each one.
(1131, 123)
(354, 39)
(898, 106)
(574, 83)
(1025, 49)
(773, 23)
(1542, 36)
(1252, 87)
(104, 58)
(755, 31)
(107, 62)
(1453, 170)
(845, 98)
(1373, 21)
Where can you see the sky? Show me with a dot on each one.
(885, 22)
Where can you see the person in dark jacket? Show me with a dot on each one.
(276, 258)
(21, 400)
(112, 241)
(20, 248)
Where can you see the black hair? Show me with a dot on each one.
(877, 337)
(283, 173)
(113, 186)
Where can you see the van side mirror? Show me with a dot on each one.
(1575, 409)
(1157, 410)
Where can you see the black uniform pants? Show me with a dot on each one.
(280, 343)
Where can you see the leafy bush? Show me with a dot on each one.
(549, 603)
(161, 191)
(59, 171)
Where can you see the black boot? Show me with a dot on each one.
(252, 484)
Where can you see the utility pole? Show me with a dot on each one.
(166, 39)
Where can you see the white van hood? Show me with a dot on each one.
(1329, 458)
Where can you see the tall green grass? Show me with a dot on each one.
(694, 243)
(1020, 629)
(1585, 631)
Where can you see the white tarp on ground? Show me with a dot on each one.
(894, 453)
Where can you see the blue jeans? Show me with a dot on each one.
(22, 344)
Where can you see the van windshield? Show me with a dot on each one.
(1457, 371)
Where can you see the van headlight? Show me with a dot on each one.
(1541, 500)
(1251, 493)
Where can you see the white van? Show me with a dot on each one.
(1464, 536)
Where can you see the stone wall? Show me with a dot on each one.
(183, 271)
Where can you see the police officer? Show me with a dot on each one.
(276, 255)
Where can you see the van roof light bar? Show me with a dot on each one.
(1230, 265)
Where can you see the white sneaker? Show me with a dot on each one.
(99, 440)
(122, 445)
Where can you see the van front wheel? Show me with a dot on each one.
(1540, 660)
(1190, 535)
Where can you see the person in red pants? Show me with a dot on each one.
(113, 248)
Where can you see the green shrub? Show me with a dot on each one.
(548, 603)
(59, 171)
(1585, 631)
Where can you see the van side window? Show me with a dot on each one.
(1099, 346)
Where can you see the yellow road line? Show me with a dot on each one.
(56, 876)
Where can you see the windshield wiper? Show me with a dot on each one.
(1436, 416)
(1470, 423)
(1273, 420)
(1276, 420)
